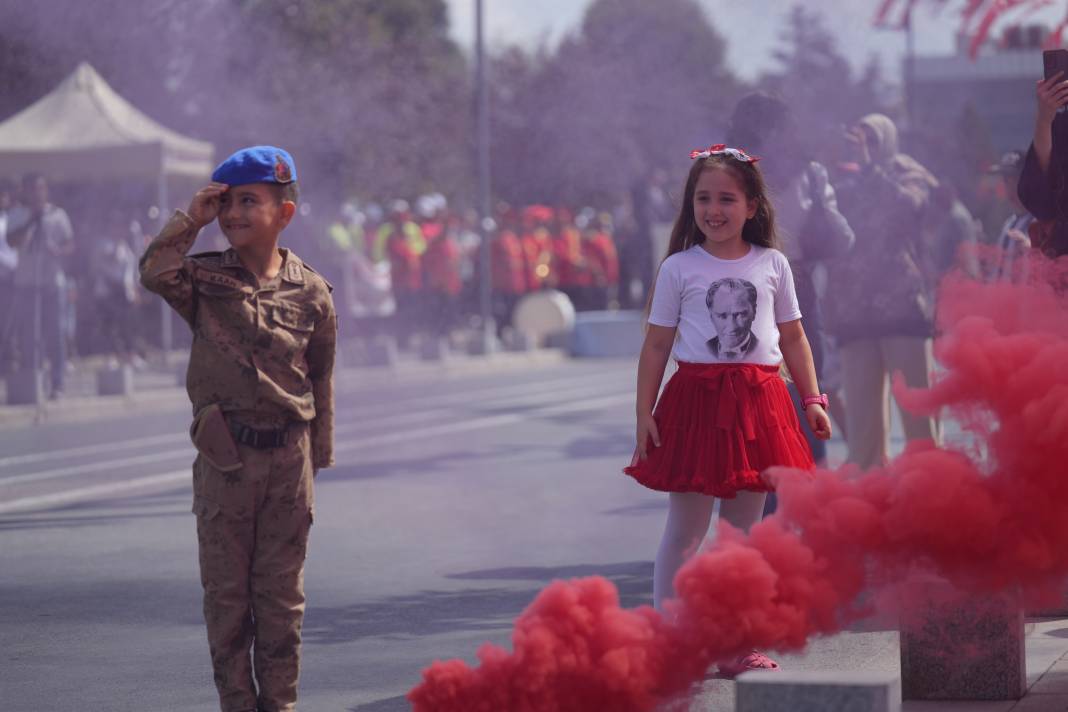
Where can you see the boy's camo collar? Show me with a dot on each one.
(292, 271)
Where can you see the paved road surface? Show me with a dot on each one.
(455, 500)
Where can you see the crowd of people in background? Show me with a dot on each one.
(414, 269)
(69, 285)
(66, 290)
(408, 271)
(870, 233)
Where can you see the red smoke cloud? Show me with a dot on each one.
(988, 517)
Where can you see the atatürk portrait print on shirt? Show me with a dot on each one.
(732, 306)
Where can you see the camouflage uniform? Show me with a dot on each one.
(265, 355)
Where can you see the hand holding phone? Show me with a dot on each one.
(1053, 61)
(1052, 90)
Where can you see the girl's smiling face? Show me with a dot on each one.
(720, 206)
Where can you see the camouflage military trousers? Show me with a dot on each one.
(252, 529)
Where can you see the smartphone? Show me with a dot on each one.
(1055, 60)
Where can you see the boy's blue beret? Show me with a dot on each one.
(256, 164)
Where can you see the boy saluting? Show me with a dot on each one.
(260, 380)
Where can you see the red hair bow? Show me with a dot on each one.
(721, 149)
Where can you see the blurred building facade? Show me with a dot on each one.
(997, 87)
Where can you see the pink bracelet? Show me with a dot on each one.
(810, 400)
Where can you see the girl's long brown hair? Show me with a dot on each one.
(758, 230)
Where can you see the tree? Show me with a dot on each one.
(374, 94)
(817, 81)
(41, 43)
(638, 86)
(371, 96)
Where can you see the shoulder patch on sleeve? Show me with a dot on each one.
(329, 287)
(294, 273)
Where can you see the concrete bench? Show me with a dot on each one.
(605, 334)
(817, 691)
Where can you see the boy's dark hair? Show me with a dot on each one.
(286, 191)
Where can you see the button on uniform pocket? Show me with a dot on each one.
(294, 328)
(293, 317)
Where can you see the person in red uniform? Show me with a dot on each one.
(508, 269)
(404, 246)
(537, 247)
(573, 277)
(599, 250)
(441, 276)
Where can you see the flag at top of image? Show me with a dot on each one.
(977, 17)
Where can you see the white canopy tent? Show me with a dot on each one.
(84, 131)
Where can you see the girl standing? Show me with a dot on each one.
(724, 306)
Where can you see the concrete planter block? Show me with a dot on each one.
(381, 352)
(963, 648)
(26, 387)
(831, 691)
(114, 381)
(607, 334)
(434, 349)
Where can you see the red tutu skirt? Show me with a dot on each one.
(721, 426)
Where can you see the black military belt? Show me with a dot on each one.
(259, 439)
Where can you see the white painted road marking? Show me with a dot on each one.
(186, 451)
(498, 393)
(78, 494)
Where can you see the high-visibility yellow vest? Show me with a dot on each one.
(412, 234)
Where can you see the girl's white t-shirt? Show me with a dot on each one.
(726, 311)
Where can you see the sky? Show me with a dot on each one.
(751, 28)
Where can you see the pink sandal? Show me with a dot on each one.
(753, 661)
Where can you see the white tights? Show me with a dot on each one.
(689, 515)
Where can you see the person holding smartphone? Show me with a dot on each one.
(1043, 187)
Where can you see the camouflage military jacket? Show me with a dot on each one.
(265, 348)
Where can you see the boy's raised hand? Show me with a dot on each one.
(204, 207)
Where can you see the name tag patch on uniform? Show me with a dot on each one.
(220, 279)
